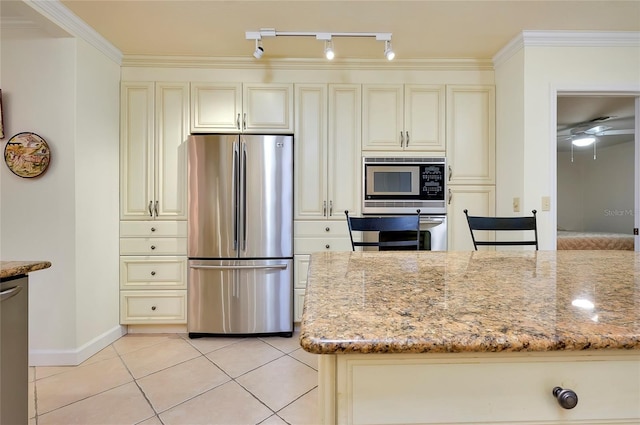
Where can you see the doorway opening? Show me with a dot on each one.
(597, 168)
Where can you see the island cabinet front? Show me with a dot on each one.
(485, 388)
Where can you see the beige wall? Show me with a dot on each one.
(63, 90)
(547, 71)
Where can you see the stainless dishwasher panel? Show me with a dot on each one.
(240, 297)
(14, 351)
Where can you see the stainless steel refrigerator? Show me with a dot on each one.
(240, 237)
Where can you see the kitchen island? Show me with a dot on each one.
(475, 337)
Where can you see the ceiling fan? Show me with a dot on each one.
(585, 133)
(608, 129)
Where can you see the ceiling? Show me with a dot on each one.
(474, 29)
(427, 29)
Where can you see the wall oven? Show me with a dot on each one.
(433, 235)
(403, 185)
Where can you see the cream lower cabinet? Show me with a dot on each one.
(310, 237)
(154, 124)
(327, 151)
(403, 117)
(236, 107)
(479, 200)
(487, 388)
(153, 272)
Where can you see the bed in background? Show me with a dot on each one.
(594, 240)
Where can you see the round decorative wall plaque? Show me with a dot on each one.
(27, 155)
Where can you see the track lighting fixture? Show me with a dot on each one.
(259, 50)
(388, 51)
(323, 36)
(328, 50)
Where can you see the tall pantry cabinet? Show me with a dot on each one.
(471, 145)
(153, 206)
(327, 173)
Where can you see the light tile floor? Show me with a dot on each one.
(152, 379)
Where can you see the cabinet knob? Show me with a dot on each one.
(566, 398)
(153, 273)
(327, 229)
(153, 247)
(153, 229)
(153, 308)
(327, 246)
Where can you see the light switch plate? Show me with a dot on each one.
(516, 204)
(546, 203)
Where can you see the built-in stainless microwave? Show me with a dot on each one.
(402, 185)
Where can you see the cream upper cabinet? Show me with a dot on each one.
(479, 200)
(471, 140)
(327, 149)
(403, 117)
(154, 124)
(236, 107)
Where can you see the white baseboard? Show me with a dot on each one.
(76, 356)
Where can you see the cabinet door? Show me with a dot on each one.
(267, 108)
(471, 134)
(136, 150)
(216, 108)
(172, 122)
(382, 117)
(310, 147)
(479, 200)
(344, 173)
(424, 118)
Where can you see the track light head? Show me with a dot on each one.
(259, 50)
(328, 50)
(388, 51)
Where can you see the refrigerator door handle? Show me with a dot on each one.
(273, 266)
(234, 193)
(244, 197)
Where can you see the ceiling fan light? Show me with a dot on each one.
(583, 141)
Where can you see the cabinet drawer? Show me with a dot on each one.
(153, 307)
(153, 272)
(153, 246)
(320, 228)
(514, 389)
(156, 229)
(311, 245)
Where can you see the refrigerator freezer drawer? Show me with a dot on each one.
(239, 297)
(153, 246)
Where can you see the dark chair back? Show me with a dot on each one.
(477, 223)
(403, 224)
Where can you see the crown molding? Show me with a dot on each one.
(142, 61)
(567, 39)
(57, 13)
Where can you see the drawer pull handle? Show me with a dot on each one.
(327, 246)
(327, 229)
(153, 273)
(153, 308)
(153, 247)
(153, 229)
(567, 398)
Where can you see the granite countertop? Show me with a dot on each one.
(17, 268)
(481, 301)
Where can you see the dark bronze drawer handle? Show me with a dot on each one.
(567, 398)
(153, 308)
